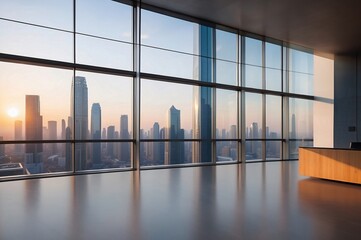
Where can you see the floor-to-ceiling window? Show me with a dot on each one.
(89, 85)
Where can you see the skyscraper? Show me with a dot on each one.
(124, 134)
(202, 96)
(79, 113)
(293, 127)
(233, 132)
(2, 148)
(18, 136)
(52, 128)
(110, 145)
(155, 150)
(174, 151)
(33, 131)
(63, 127)
(63, 137)
(68, 150)
(95, 131)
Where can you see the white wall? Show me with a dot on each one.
(323, 115)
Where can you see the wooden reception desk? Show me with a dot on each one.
(331, 163)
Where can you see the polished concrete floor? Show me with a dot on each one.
(249, 201)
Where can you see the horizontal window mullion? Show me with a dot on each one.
(65, 141)
(63, 65)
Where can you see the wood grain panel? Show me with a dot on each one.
(334, 164)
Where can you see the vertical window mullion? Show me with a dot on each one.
(136, 85)
(263, 100)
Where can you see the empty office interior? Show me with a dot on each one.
(108, 85)
(177, 119)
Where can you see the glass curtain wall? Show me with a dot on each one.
(71, 98)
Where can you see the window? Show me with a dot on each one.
(301, 125)
(202, 94)
(38, 110)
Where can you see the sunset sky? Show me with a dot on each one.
(115, 93)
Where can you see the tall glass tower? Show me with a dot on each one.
(124, 134)
(95, 131)
(53, 135)
(174, 151)
(79, 113)
(155, 146)
(202, 96)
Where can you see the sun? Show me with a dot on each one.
(13, 112)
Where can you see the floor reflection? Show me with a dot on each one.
(246, 201)
(333, 208)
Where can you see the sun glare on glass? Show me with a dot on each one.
(13, 112)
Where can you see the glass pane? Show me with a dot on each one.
(253, 113)
(226, 45)
(104, 53)
(167, 32)
(166, 153)
(103, 106)
(273, 150)
(56, 14)
(253, 151)
(273, 56)
(252, 76)
(300, 83)
(226, 115)
(26, 159)
(253, 52)
(170, 105)
(300, 61)
(169, 63)
(273, 79)
(33, 101)
(108, 155)
(183, 111)
(273, 117)
(226, 151)
(294, 145)
(104, 18)
(226, 72)
(301, 119)
(38, 42)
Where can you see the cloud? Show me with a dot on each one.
(144, 36)
(127, 34)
